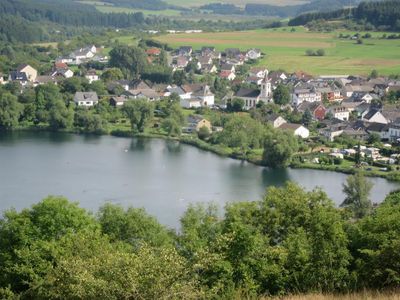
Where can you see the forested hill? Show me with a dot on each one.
(66, 13)
(384, 15)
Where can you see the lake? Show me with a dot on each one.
(162, 176)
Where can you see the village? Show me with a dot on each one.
(360, 108)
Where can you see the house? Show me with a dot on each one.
(196, 95)
(394, 132)
(259, 72)
(181, 62)
(83, 54)
(305, 93)
(378, 128)
(30, 72)
(232, 52)
(45, 79)
(153, 51)
(195, 122)
(277, 77)
(317, 109)
(275, 120)
(91, 76)
(340, 113)
(297, 129)
(332, 128)
(229, 75)
(65, 73)
(20, 77)
(2, 81)
(185, 51)
(375, 116)
(253, 54)
(228, 67)
(86, 99)
(118, 101)
(211, 68)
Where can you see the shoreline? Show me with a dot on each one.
(222, 151)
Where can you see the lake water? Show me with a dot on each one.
(161, 176)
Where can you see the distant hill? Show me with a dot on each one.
(384, 15)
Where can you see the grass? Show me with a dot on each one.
(365, 295)
(194, 3)
(286, 50)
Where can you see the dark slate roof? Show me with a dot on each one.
(15, 75)
(377, 127)
(247, 93)
(370, 114)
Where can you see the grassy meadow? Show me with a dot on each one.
(286, 50)
(194, 3)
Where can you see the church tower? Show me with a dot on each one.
(266, 89)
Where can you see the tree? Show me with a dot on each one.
(132, 61)
(279, 147)
(172, 126)
(357, 189)
(60, 116)
(140, 114)
(236, 105)
(320, 52)
(281, 95)
(133, 226)
(373, 74)
(112, 74)
(203, 133)
(375, 242)
(374, 138)
(10, 111)
(307, 117)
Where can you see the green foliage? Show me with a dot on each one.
(171, 126)
(203, 133)
(10, 111)
(132, 61)
(375, 242)
(140, 114)
(112, 74)
(357, 189)
(281, 94)
(236, 105)
(133, 226)
(243, 132)
(279, 147)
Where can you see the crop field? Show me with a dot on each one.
(193, 3)
(286, 50)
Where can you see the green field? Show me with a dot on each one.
(286, 50)
(194, 3)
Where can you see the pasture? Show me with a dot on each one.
(286, 50)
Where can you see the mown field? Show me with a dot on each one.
(286, 50)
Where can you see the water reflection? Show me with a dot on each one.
(173, 146)
(140, 144)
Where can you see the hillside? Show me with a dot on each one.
(383, 15)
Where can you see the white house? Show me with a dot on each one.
(275, 120)
(91, 75)
(196, 95)
(253, 54)
(375, 116)
(305, 93)
(340, 113)
(30, 72)
(83, 54)
(297, 129)
(86, 99)
(259, 72)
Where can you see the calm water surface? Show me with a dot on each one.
(161, 176)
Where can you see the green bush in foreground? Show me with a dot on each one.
(290, 242)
